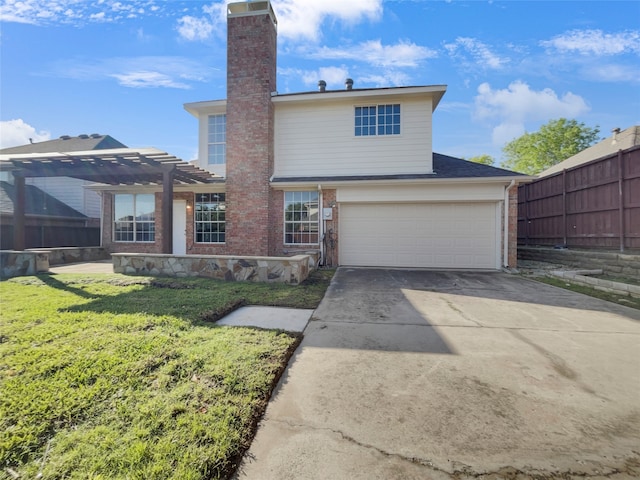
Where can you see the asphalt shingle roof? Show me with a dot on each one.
(444, 166)
(66, 143)
(37, 202)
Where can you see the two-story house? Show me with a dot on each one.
(350, 173)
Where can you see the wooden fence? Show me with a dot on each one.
(593, 205)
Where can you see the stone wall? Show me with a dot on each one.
(611, 263)
(64, 255)
(292, 270)
(18, 263)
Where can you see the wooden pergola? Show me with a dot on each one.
(111, 167)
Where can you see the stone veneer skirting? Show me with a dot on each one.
(64, 255)
(612, 263)
(292, 270)
(19, 263)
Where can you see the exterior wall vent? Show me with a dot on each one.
(322, 86)
(349, 83)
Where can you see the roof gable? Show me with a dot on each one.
(66, 143)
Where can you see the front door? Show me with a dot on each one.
(179, 227)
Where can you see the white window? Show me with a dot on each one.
(217, 139)
(134, 217)
(210, 217)
(375, 120)
(301, 217)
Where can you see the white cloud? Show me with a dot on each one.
(77, 12)
(336, 76)
(402, 54)
(384, 79)
(480, 53)
(192, 28)
(595, 42)
(142, 79)
(613, 73)
(297, 19)
(517, 104)
(18, 132)
(137, 72)
(303, 18)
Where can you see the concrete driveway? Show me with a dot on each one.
(440, 375)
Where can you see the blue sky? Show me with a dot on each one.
(125, 68)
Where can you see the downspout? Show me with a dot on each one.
(505, 253)
(321, 226)
(101, 216)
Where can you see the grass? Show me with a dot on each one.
(108, 376)
(625, 300)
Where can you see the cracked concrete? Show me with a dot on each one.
(445, 375)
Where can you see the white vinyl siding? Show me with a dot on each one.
(428, 235)
(327, 146)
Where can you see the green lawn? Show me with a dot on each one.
(108, 376)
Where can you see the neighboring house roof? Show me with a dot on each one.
(444, 166)
(37, 202)
(66, 143)
(619, 141)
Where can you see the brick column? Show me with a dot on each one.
(251, 77)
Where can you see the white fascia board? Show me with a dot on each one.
(418, 181)
(208, 107)
(435, 91)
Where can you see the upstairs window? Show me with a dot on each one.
(134, 217)
(217, 139)
(301, 217)
(378, 120)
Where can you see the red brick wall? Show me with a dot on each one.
(251, 77)
(129, 247)
(277, 228)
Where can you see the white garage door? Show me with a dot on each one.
(434, 235)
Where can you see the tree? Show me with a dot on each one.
(483, 159)
(556, 141)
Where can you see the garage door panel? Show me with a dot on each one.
(432, 235)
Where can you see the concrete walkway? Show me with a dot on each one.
(434, 375)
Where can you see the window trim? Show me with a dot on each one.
(134, 222)
(310, 223)
(216, 143)
(376, 128)
(218, 222)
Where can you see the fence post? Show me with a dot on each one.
(564, 207)
(621, 198)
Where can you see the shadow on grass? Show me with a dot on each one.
(200, 300)
(52, 282)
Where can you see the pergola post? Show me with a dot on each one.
(167, 210)
(18, 212)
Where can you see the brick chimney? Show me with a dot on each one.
(251, 77)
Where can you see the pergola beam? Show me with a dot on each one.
(112, 168)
